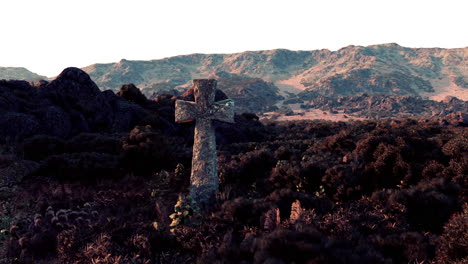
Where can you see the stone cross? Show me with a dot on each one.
(204, 180)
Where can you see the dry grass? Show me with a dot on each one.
(310, 114)
(444, 88)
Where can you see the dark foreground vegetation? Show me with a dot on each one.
(389, 191)
(310, 192)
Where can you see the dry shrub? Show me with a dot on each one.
(453, 244)
(132, 94)
(146, 150)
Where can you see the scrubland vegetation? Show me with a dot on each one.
(390, 191)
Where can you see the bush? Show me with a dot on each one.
(429, 204)
(457, 146)
(41, 146)
(245, 211)
(132, 94)
(453, 244)
(81, 166)
(309, 246)
(285, 176)
(246, 169)
(145, 151)
(89, 142)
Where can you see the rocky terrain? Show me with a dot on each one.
(72, 104)
(249, 94)
(386, 106)
(387, 69)
(66, 106)
(377, 69)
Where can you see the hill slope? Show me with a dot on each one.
(377, 69)
(19, 73)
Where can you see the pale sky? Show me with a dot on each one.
(47, 36)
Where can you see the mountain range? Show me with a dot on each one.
(376, 69)
(387, 69)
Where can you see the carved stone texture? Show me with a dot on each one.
(204, 181)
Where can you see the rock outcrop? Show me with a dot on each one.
(69, 105)
(73, 104)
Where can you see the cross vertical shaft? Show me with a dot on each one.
(204, 180)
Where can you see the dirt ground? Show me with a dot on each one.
(309, 114)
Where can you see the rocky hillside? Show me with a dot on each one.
(377, 69)
(249, 94)
(72, 104)
(389, 69)
(391, 106)
(69, 105)
(18, 73)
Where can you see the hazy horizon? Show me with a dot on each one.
(47, 36)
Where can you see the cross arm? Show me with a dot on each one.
(185, 111)
(223, 111)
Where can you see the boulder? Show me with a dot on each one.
(73, 89)
(126, 114)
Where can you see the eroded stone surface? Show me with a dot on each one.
(204, 179)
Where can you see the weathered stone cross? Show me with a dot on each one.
(204, 180)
